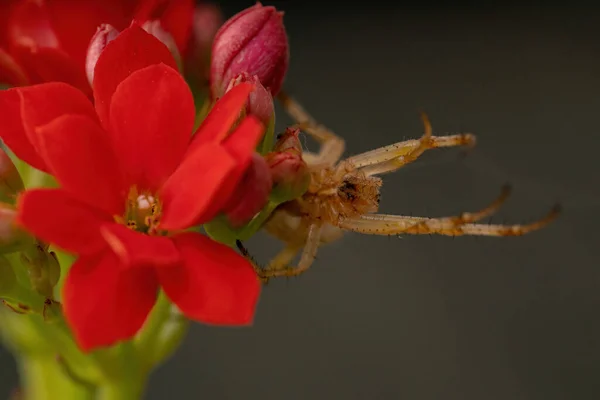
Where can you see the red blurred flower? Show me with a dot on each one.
(47, 41)
(131, 182)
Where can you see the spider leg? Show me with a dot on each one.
(278, 268)
(392, 157)
(380, 224)
(284, 257)
(332, 146)
(307, 257)
(255, 266)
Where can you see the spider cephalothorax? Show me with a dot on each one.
(332, 196)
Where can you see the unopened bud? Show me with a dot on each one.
(253, 41)
(10, 180)
(252, 193)
(156, 29)
(260, 101)
(101, 38)
(289, 171)
(43, 269)
(52, 310)
(14, 296)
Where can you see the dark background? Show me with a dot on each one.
(433, 317)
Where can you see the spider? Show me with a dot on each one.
(344, 196)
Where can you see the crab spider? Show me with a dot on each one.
(344, 196)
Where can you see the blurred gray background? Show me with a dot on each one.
(432, 317)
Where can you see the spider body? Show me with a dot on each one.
(344, 196)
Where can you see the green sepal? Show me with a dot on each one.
(266, 145)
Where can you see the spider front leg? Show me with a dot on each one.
(332, 146)
(392, 157)
(379, 224)
(279, 266)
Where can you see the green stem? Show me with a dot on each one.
(148, 336)
(43, 379)
(126, 389)
(127, 379)
(59, 336)
(161, 334)
(170, 338)
(249, 230)
(267, 142)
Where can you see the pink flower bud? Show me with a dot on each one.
(103, 35)
(253, 41)
(156, 29)
(252, 193)
(10, 180)
(289, 171)
(260, 101)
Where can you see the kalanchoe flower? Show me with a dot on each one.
(251, 195)
(131, 183)
(39, 41)
(289, 171)
(253, 41)
(103, 36)
(10, 179)
(260, 101)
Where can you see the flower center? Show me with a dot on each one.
(142, 212)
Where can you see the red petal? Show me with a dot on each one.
(193, 187)
(6, 8)
(29, 25)
(34, 43)
(22, 110)
(243, 140)
(52, 65)
(104, 303)
(55, 217)
(75, 22)
(214, 285)
(77, 151)
(10, 71)
(133, 49)
(13, 133)
(136, 249)
(222, 116)
(176, 17)
(151, 121)
(240, 145)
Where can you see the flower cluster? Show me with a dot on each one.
(138, 154)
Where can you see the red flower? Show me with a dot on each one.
(131, 180)
(47, 41)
